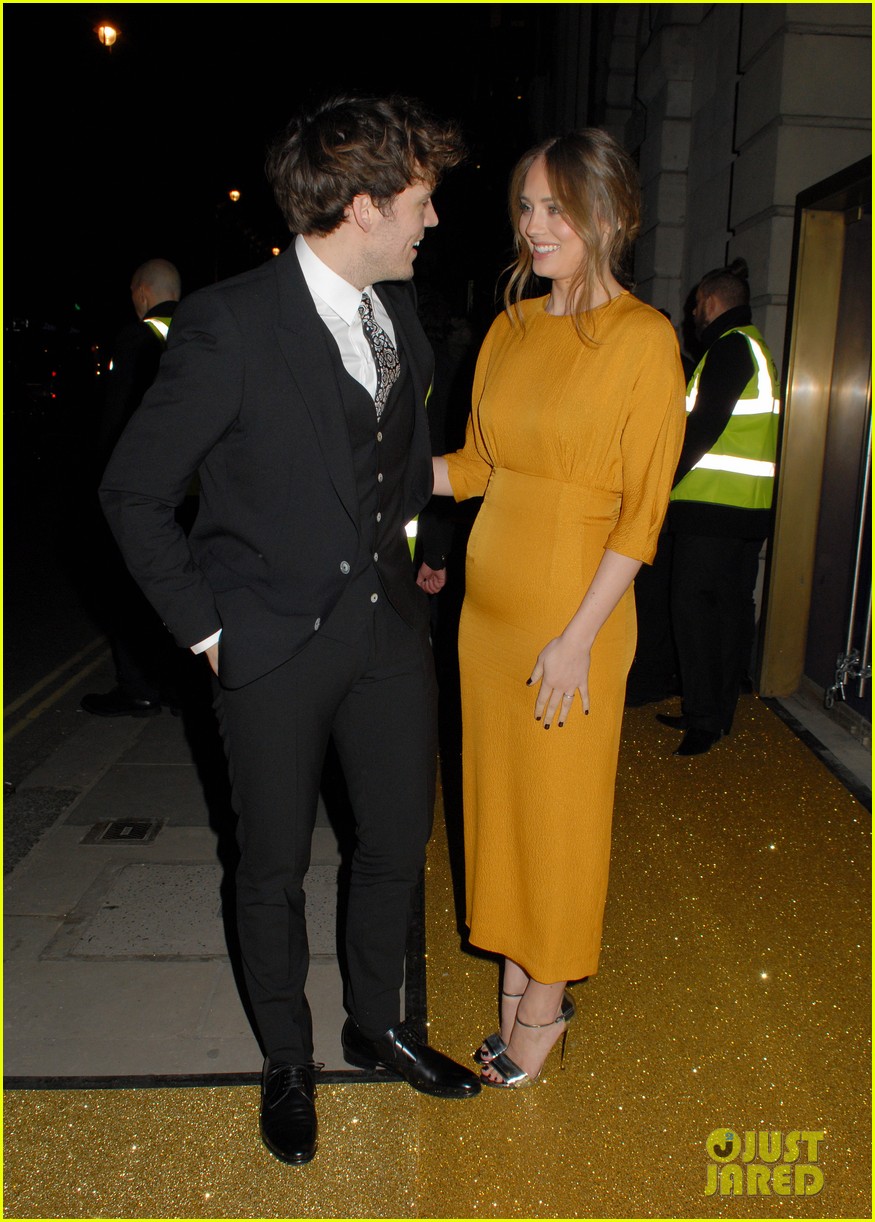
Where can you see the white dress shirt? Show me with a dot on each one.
(337, 304)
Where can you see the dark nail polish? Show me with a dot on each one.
(586, 712)
(537, 718)
(528, 683)
(560, 724)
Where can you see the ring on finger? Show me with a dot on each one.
(568, 695)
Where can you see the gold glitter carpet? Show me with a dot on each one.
(733, 997)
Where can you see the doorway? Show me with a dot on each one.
(817, 617)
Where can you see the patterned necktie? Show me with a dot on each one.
(385, 356)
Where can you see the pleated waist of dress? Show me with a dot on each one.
(544, 496)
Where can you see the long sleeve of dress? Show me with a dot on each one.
(650, 443)
(470, 468)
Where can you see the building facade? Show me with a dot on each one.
(751, 124)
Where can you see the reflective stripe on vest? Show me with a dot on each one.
(160, 326)
(739, 469)
(410, 531)
(742, 466)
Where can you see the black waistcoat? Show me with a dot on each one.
(380, 575)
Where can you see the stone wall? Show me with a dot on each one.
(731, 110)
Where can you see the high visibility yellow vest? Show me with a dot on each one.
(739, 469)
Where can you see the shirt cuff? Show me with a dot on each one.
(202, 646)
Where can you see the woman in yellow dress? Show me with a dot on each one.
(576, 427)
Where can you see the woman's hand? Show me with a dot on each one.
(563, 670)
(563, 664)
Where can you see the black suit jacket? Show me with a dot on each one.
(248, 395)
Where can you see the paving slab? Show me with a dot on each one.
(171, 792)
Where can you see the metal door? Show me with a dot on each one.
(837, 656)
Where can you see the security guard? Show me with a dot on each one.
(147, 663)
(155, 293)
(720, 506)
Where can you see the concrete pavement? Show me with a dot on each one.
(118, 945)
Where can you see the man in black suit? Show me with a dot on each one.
(297, 391)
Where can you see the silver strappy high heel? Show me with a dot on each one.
(513, 1077)
(493, 1044)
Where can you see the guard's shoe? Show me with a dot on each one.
(118, 704)
(401, 1050)
(288, 1111)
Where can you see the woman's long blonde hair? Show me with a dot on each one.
(595, 182)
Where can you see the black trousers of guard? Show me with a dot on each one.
(654, 672)
(712, 609)
(376, 698)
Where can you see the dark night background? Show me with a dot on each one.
(116, 156)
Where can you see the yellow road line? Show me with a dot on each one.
(44, 682)
(54, 696)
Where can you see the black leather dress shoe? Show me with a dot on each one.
(288, 1111)
(672, 720)
(697, 742)
(401, 1050)
(118, 704)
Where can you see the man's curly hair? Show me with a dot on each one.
(352, 146)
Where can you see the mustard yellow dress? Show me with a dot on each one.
(573, 446)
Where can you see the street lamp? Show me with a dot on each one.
(233, 196)
(107, 34)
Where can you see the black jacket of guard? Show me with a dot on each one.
(136, 355)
